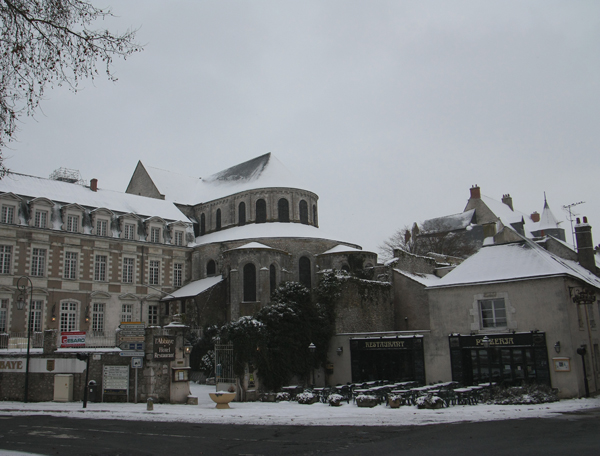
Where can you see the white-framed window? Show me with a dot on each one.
(35, 316)
(40, 219)
(98, 317)
(38, 262)
(128, 269)
(155, 235)
(153, 315)
(493, 313)
(5, 259)
(178, 237)
(68, 316)
(177, 274)
(102, 228)
(100, 268)
(3, 315)
(129, 231)
(127, 312)
(70, 270)
(8, 214)
(154, 272)
(73, 223)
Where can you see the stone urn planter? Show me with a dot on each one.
(364, 400)
(335, 400)
(394, 401)
(222, 399)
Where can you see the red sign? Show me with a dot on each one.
(72, 339)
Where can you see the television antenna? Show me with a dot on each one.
(571, 215)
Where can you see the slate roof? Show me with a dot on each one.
(65, 193)
(449, 222)
(265, 171)
(516, 261)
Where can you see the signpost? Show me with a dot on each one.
(115, 379)
(164, 347)
(132, 343)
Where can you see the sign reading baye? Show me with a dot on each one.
(164, 347)
(12, 365)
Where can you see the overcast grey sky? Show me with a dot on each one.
(391, 109)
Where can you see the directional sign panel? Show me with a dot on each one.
(132, 353)
(132, 346)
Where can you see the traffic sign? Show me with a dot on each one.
(132, 346)
(132, 353)
(137, 363)
(132, 339)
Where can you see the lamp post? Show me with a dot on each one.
(20, 305)
(312, 348)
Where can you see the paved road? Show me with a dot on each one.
(575, 433)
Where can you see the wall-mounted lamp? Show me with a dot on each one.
(339, 351)
(87, 313)
(187, 349)
(557, 346)
(53, 318)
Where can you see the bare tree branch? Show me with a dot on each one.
(50, 42)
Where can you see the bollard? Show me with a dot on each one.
(150, 404)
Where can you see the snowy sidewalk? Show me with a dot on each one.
(292, 413)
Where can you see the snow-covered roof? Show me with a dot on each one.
(67, 193)
(265, 171)
(515, 261)
(340, 248)
(503, 212)
(547, 220)
(449, 222)
(424, 279)
(253, 245)
(194, 288)
(253, 231)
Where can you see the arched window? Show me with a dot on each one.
(211, 268)
(242, 214)
(261, 211)
(218, 227)
(283, 209)
(202, 224)
(315, 220)
(304, 272)
(249, 283)
(272, 279)
(303, 212)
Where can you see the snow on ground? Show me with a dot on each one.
(292, 413)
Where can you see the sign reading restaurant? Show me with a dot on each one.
(164, 347)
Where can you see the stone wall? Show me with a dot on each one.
(364, 306)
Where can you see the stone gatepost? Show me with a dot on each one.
(50, 342)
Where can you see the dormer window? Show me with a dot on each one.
(129, 226)
(101, 220)
(155, 235)
(73, 223)
(102, 228)
(40, 219)
(72, 218)
(8, 214)
(40, 210)
(154, 230)
(178, 238)
(129, 231)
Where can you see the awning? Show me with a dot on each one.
(193, 288)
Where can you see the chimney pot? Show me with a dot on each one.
(584, 219)
(578, 221)
(535, 217)
(94, 185)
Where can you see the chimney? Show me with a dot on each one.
(94, 185)
(506, 199)
(475, 192)
(585, 245)
(535, 217)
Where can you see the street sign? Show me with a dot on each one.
(132, 346)
(137, 363)
(132, 339)
(132, 353)
(116, 378)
